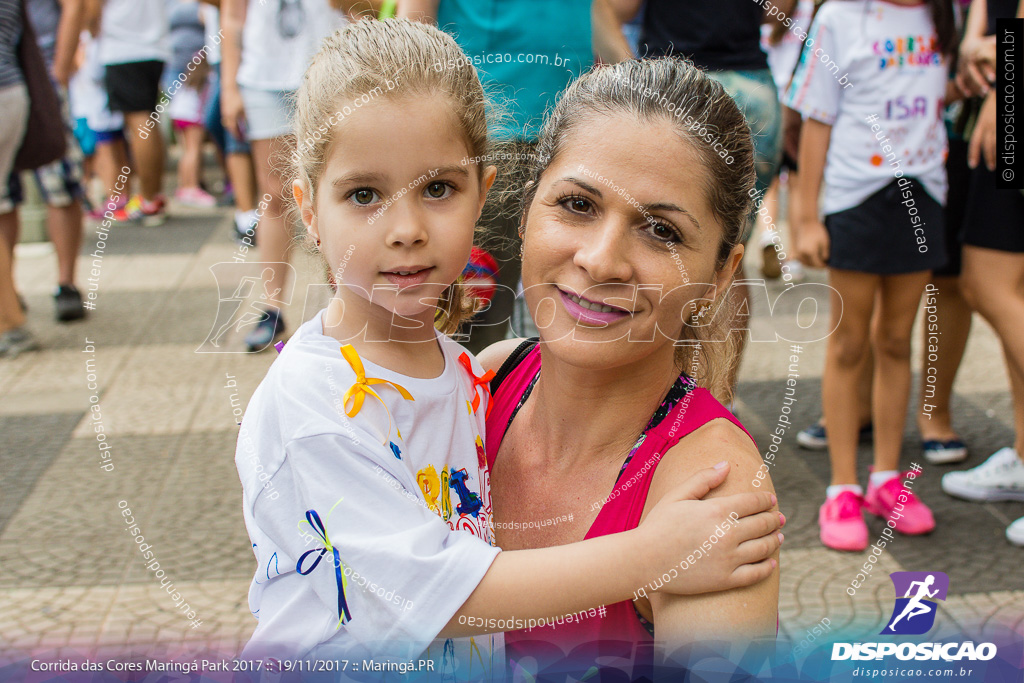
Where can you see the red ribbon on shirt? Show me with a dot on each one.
(483, 382)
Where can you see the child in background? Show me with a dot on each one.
(189, 101)
(100, 131)
(781, 41)
(365, 482)
(880, 144)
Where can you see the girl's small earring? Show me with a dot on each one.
(318, 244)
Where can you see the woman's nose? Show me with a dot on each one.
(605, 254)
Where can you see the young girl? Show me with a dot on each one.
(361, 456)
(99, 131)
(870, 86)
(188, 37)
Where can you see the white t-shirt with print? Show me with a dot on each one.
(134, 31)
(401, 494)
(889, 56)
(280, 38)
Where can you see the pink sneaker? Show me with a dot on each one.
(98, 213)
(195, 196)
(842, 523)
(910, 516)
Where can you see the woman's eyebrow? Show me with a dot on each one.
(666, 206)
(585, 185)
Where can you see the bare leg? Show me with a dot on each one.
(993, 283)
(10, 230)
(64, 224)
(866, 373)
(954, 322)
(274, 232)
(147, 154)
(10, 310)
(852, 302)
(191, 157)
(243, 180)
(111, 157)
(771, 266)
(892, 328)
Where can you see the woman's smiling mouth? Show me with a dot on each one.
(591, 312)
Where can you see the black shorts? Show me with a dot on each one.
(959, 175)
(995, 218)
(883, 236)
(133, 86)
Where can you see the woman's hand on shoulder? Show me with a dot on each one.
(734, 529)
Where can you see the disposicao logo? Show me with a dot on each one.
(914, 614)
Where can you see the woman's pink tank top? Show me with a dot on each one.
(619, 633)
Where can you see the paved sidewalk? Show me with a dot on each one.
(73, 580)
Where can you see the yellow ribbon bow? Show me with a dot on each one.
(357, 392)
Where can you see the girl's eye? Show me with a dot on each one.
(663, 232)
(364, 196)
(438, 190)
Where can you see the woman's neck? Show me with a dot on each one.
(583, 415)
(407, 346)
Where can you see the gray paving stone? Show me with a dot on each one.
(182, 233)
(30, 444)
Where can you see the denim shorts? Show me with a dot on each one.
(268, 113)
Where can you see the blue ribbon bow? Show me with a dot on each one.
(313, 518)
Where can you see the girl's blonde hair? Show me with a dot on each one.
(673, 89)
(391, 58)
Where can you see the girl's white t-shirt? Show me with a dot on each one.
(280, 38)
(401, 494)
(888, 73)
(134, 31)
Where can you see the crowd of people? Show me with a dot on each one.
(870, 125)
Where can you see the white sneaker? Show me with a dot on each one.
(1001, 477)
(1015, 532)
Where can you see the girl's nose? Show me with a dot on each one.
(407, 228)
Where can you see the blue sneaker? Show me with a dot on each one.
(944, 452)
(814, 438)
(266, 330)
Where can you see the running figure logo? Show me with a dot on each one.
(914, 613)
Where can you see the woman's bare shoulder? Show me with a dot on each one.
(708, 445)
(495, 355)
